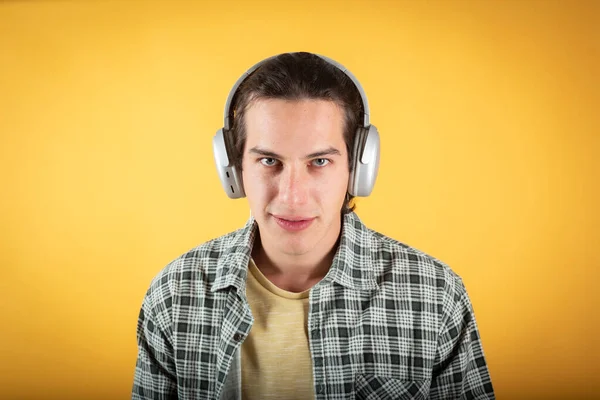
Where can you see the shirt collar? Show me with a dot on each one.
(352, 264)
(232, 264)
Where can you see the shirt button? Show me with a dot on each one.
(237, 337)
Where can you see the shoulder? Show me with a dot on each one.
(416, 267)
(193, 271)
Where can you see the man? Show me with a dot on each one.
(305, 301)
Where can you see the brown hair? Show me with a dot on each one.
(298, 76)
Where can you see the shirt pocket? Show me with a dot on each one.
(373, 387)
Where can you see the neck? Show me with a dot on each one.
(291, 272)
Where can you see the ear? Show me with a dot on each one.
(365, 161)
(230, 178)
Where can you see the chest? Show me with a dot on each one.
(378, 335)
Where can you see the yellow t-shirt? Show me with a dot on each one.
(276, 362)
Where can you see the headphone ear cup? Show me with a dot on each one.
(365, 161)
(230, 178)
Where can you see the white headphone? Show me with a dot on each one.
(365, 156)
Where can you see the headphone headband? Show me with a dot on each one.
(363, 96)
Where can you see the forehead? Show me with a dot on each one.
(294, 124)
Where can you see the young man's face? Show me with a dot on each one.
(295, 173)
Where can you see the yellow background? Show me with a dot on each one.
(488, 113)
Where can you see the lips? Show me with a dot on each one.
(292, 218)
(293, 223)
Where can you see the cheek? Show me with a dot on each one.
(341, 189)
(257, 185)
(332, 190)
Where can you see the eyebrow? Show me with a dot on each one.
(266, 153)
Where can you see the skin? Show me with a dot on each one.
(295, 166)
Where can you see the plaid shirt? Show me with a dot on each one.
(386, 322)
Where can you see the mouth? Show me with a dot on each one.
(293, 223)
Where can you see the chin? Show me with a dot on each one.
(295, 249)
(294, 242)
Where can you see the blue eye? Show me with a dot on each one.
(320, 162)
(269, 162)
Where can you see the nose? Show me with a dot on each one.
(294, 186)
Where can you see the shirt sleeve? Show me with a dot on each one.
(155, 374)
(460, 370)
